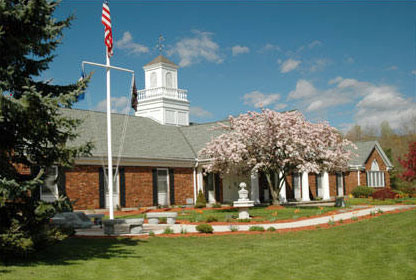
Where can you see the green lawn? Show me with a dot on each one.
(370, 201)
(380, 248)
(259, 214)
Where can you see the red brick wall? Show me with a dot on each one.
(351, 181)
(184, 185)
(139, 186)
(82, 185)
(312, 185)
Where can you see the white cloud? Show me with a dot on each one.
(126, 43)
(200, 112)
(414, 72)
(373, 103)
(315, 43)
(279, 106)
(319, 64)
(270, 47)
(303, 89)
(118, 105)
(289, 65)
(258, 99)
(239, 50)
(195, 49)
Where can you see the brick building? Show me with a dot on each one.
(156, 152)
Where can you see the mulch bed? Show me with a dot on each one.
(278, 231)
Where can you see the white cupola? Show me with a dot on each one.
(161, 99)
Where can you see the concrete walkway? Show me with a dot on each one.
(177, 228)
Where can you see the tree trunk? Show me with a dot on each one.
(272, 188)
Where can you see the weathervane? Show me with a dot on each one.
(160, 44)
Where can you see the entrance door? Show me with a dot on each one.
(116, 190)
(162, 187)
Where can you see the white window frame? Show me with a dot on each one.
(50, 197)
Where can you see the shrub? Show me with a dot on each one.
(384, 193)
(216, 205)
(151, 233)
(168, 230)
(362, 191)
(184, 231)
(271, 229)
(256, 228)
(200, 200)
(204, 228)
(244, 220)
(211, 219)
(163, 220)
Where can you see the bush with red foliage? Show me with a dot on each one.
(384, 193)
(409, 164)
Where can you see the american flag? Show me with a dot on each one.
(108, 35)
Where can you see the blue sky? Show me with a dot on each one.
(342, 62)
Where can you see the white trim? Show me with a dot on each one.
(138, 162)
(168, 184)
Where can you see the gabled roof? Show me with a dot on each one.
(364, 150)
(147, 139)
(144, 137)
(161, 59)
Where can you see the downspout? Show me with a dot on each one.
(195, 167)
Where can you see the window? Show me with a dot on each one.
(169, 80)
(49, 191)
(340, 184)
(153, 80)
(375, 177)
(319, 185)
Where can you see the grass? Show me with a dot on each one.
(370, 201)
(380, 248)
(260, 214)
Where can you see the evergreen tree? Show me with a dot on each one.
(33, 132)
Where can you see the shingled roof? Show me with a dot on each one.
(363, 152)
(147, 139)
(161, 59)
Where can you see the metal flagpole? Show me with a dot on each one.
(110, 154)
(107, 66)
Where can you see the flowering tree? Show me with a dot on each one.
(409, 164)
(277, 143)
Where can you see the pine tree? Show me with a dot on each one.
(33, 132)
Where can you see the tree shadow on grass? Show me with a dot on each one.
(73, 250)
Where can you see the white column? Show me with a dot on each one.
(199, 179)
(325, 186)
(305, 186)
(195, 189)
(282, 193)
(255, 187)
(358, 177)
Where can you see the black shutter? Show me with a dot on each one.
(122, 188)
(171, 186)
(154, 171)
(217, 187)
(101, 187)
(205, 186)
(61, 181)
